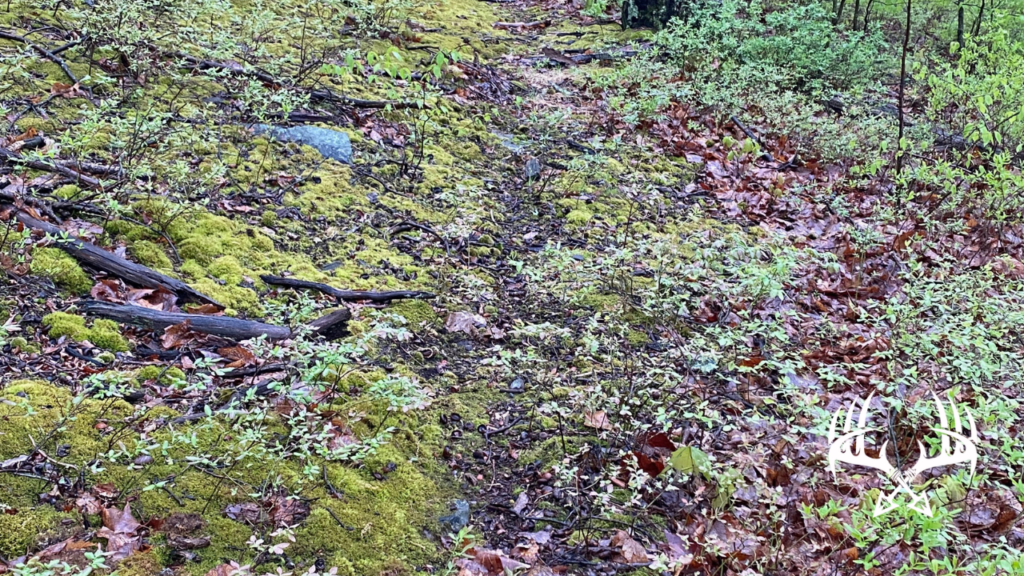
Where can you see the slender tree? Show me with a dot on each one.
(960, 24)
(903, 86)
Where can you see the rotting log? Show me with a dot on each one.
(331, 326)
(226, 326)
(347, 295)
(100, 259)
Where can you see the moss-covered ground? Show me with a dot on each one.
(598, 304)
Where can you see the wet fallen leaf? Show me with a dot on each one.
(238, 355)
(632, 551)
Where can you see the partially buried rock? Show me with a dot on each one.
(458, 520)
(331, 143)
(532, 168)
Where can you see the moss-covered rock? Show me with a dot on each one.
(65, 272)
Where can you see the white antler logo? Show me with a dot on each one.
(849, 448)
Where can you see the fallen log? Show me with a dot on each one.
(331, 326)
(6, 156)
(227, 326)
(100, 259)
(347, 295)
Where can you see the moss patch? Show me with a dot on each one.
(103, 333)
(65, 272)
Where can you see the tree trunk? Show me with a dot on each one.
(856, 13)
(839, 13)
(903, 84)
(867, 13)
(653, 13)
(960, 24)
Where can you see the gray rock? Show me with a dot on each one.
(331, 143)
(508, 141)
(532, 168)
(458, 520)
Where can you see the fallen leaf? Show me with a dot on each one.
(109, 290)
(521, 503)
(88, 504)
(238, 355)
(632, 551)
(154, 299)
(179, 335)
(598, 420)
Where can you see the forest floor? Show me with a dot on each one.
(627, 340)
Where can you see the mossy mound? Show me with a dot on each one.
(103, 333)
(55, 264)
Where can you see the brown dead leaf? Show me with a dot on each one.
(472, 324)
(632, 551)
(484, 562)
(88, 504)
(109, 290)
(238, 355)
(556, 56)
(246, 513)
(67, 90)
(598, 420)
(208, 309)
(285, 511)
(180, 335)
(120, 520)
(154, 299)
(120, 530)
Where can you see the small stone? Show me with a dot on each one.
(459, 519)
(518, 384)
(532, 168)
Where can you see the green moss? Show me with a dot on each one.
(103, 334)
(64, 324)
(358, 327)
(27, 528)
(23, 345)
(268, 218)
(150, 254)
(128, 230)
(166, 376)
(56, 265)
(415, 312)
(227, 269)
(235, 298)
(637, 338)
(579, 216)
(387, 517)
(139, 564)
(67, 191)
(193, 269)
(599, 302)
